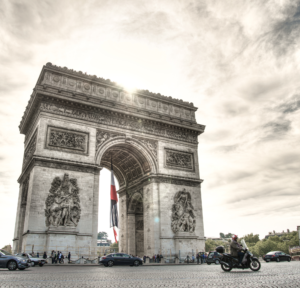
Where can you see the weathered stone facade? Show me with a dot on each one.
(73, 124)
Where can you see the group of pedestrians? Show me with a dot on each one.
(201, 257)
(156, 258)
(58, 257)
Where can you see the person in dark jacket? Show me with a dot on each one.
(69, 257)
(37, 255)
(198, 257)
(236, 249)
(45, 255)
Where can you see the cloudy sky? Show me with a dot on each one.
(238, 61)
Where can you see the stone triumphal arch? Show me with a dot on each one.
(73, 124)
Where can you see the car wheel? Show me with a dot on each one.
(225, 268)
(110, 263)
(208, 263)
(255, 265)
(217, 262)
(105, 265)
(12, 265)
(33, 264)
(277, 260)
(41, 264)
(136, 263)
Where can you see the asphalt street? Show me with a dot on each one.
(282, 274)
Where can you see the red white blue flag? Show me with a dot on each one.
(113, 203)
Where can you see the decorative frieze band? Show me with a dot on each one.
(181, 160)
(122, 121)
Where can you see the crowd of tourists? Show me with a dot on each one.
(156, 258)
(58, 257)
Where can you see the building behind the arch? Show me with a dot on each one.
(74, 124)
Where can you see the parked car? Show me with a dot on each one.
(277, 256)
(12, 262)
(120, 259)
(34, 260)
(213, 257)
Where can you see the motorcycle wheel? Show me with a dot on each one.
(255, 265)
(225, 268)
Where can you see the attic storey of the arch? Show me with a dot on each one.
(73, 125)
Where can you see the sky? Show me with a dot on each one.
(237, 61)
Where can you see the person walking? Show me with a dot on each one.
(37, 255)
(197, 257)
(187, 259)
(52, 256)
(69, 257)
(144, 258)
(45, 255)
(59, 257)
(158, 258)
(193, 258)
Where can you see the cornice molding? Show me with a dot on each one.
(160, 108)
(57, 163)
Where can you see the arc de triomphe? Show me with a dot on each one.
(73, 124)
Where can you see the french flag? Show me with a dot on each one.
(113, 203)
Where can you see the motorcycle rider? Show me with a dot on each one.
(236, 249)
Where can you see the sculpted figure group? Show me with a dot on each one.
(183, 217)
(63, 203)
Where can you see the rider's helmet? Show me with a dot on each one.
(234, 237)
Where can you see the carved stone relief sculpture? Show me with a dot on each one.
(59, 138)
(102, 136)
(183, 217)
(179, 159)
(63, 203)
(150, 144)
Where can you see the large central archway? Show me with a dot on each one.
(133, 162)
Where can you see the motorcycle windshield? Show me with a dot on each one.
(244, 244)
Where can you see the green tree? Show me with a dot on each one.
(115, 246)
(251, 239)
(102, 235)
(222, 235)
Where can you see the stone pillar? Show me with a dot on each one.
(123, 245)
(131, 234)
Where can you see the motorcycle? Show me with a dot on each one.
(229, 262)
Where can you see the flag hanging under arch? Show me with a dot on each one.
(113, 203)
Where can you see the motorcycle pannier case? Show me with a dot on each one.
(220, 249)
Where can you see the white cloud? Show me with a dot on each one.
(238, 61)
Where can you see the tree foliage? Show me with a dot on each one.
(102, 235)
(229, 235)
(273, 243)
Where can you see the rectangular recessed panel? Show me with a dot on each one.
(179, 159)
(67, 140)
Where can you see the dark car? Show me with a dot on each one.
(277, 256)
(213, 257)
(34, 260)
(120, 259)
(12, 262)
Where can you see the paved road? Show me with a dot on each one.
(271, 275)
